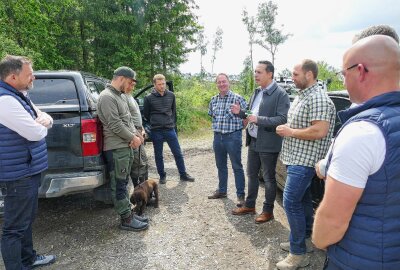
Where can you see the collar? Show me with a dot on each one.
(228, 94)
(113, 89)
(269, 89)
(308, 91)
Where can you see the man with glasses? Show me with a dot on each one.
(269, 105)
(120, 138)
(359, 214)
(307, 136)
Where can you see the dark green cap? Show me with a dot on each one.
(125, 72)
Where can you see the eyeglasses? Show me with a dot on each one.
(342, 73)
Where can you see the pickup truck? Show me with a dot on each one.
(74, 143)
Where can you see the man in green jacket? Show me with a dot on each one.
(119, 141)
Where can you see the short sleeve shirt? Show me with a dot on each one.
(312, 104)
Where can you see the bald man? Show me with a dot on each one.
(358, 221)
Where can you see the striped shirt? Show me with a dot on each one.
(223, 120)
(312, 104)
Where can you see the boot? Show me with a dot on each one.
(132, 224)
(292, 262)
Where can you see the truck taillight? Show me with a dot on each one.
(91, 137)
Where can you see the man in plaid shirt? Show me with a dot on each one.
(227, 129)
(307, 136)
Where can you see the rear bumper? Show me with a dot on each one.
(57, 185)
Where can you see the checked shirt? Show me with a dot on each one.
(223, 120)
(311, 104)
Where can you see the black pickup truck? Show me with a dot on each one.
(74, 143)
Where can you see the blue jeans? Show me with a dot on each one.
(266, 161)
(297, 202)
(169, 136)
(20, 208)
(224, 145)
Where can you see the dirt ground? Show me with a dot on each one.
(187, 231)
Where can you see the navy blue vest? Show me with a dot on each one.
(19, 157)
(372, 240)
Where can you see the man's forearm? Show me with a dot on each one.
(327, 231)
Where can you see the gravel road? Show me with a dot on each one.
(187, 231)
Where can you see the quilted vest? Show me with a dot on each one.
(19, 157)
(372, 240)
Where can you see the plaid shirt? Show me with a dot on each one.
(223, 120)
(310, 105)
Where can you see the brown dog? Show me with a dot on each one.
(142, 195)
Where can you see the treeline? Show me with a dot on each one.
(99, 35)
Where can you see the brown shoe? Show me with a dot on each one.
(264, 217)
(217, 195)
(243, 211)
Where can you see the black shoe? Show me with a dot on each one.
(132, 224)
(42, 260)
(140, 218)
(163, 179)
(187, 177)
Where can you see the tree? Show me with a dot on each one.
(247, 76)
(216, 46)
(202, 44)
(329, 73)
(271, 37)
(286, 73)
(251, 26)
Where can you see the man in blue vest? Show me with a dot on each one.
(23, 156)
(358, 219)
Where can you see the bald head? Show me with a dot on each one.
(378, 69)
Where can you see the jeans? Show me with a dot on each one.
(224, 145)
(169, 136)
(266, 161)
(20, 208)
(297, 202)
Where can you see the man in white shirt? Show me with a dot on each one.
(358, 217)
(23, 156)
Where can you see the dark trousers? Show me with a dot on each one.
(169, 136)
(20, 208)
(267, 162)
(119, 163)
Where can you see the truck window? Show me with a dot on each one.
(53, 92)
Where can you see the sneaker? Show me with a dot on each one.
(292, 262)
(217, 195)
(163, 179)
(309, 246)
(240, 202)
(132, 224)
(187, 177)
(42, 260)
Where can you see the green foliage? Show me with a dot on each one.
(192, 99)
(271, 37)
(327, 72)
(152, 36)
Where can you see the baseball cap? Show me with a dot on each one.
(125, 72)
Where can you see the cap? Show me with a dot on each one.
(126, 72)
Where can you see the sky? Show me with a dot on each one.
(321, 30)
